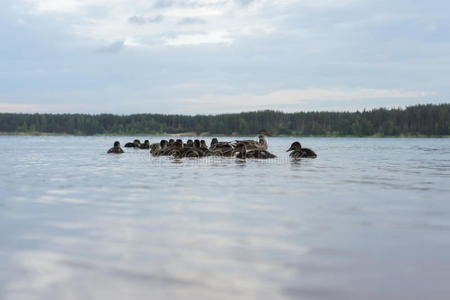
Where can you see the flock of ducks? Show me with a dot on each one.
(241, 149)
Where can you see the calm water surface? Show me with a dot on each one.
(367, 219)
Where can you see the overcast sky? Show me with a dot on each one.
(214, 56)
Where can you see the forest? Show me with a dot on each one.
(417, 120)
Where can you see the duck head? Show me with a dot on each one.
(197, 144)
(295, 146)
(190, 143)
(203, 144)
(177, 145)
(214, 141)
(116, 144)
(171, 141)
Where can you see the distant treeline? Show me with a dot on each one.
(419, 120)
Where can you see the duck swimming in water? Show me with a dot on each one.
(261, 144)
(159, 149)
(221, 148)
(299, 152)
(135, 144)
(154, 148)
(189, 143)
(178, 151)
(116, 148)
(242, 153)
(145, 145)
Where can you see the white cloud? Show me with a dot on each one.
(196, 39)
(112, 48)
(108, 21)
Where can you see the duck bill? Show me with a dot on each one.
(290, 149)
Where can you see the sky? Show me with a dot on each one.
(220, 56)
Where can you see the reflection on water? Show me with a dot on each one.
(367, 219)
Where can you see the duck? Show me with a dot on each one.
(197, 143)
(135, 144)
(261, 144)
(154, 149)
(178, 151)
(116, 148)
(160, 149)
(221, 148)
(204, 148)
(189, 143)
(145, 145)
(242, 153)
(299, 152)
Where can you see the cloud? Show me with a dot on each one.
(163, 4)
(197, 39)
(141, 20)
(111, 48)
(245, 2)
(114, 20)
(255, 48)
(188, 21)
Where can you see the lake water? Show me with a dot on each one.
(367, 219)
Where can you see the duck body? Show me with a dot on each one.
(221, 148)
(242, 153)
(160, 149)
(261, 144)
(135, 144)
(260, 154)
(116, 148)
(155, 148)
(299, 152)
(255, 145)
(145, 145)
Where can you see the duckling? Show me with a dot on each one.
(145, 145)
(197, 144)
(154, 148)
(162, 149)
(198, 148)
(135, 144)
(214, 141)
(299, 152)
(176, 150)
(242, 153)
(221, 148)
(204, 148)
(261, 144)
(116, 148)
(189, 143)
